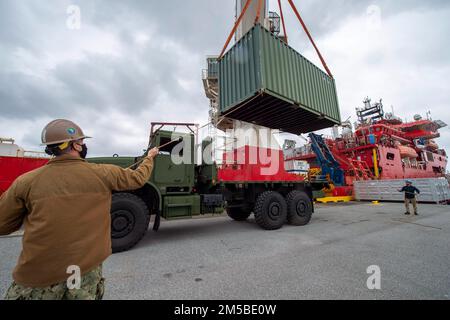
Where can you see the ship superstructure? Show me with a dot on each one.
(382, 146)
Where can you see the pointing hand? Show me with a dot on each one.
(153, 153)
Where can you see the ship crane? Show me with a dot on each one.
(329, 165)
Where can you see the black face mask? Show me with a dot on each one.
(83, 152)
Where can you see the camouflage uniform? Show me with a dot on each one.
(92, 288)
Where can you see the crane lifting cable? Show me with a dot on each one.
(282, 21)
(305, 28)
(236, 25)
(258, 12)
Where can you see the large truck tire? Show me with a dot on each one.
(238, 214)
(130, 218)
(299, 208)
(270, 210)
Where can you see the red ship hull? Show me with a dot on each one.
(383, 147)
(13, 167)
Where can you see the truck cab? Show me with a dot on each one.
(170, 193)
(179, 188)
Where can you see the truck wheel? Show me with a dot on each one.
(270, 210)
(238, 214)
(129, 221)
(299, 208)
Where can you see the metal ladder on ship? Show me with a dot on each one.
(361, 170)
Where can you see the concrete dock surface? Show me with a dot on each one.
(334, 257)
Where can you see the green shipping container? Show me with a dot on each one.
(264, 81)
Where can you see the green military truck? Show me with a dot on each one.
(185, 190)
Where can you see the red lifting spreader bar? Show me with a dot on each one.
(305, 28)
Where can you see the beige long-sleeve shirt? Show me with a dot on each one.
(65, 209)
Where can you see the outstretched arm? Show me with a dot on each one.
(119, 179)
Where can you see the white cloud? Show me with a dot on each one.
(401, 61)
(135, 62)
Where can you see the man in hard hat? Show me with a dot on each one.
(410, 197)
(64, 207)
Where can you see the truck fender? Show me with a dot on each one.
(154, 187)
(157, 221)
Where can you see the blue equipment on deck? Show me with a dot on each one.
(328, 164)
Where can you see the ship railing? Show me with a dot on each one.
(34, 154)
(407, 163)
(422, 165)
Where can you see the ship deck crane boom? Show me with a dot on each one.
(327, 162)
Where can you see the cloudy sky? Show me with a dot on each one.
(137, 61)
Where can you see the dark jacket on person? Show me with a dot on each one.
(410, 192)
